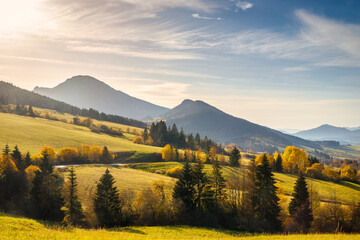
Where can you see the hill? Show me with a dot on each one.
(23, 228)
(10, 94)
(88, 92)
(198, 116)
(31, 134)
(328, 132)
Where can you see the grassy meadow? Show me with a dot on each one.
(22, 228)
(31, 134)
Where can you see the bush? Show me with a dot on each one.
(174, 172)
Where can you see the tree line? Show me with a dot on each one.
(249, 202)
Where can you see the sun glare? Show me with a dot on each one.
(18, 15)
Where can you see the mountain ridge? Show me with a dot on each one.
(88, 92)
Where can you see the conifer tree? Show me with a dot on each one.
(107, 202)
(6, 150)
(197, 139)
(249, 194)
(266, 200)
(235, 156)
(16, 155)
(218, 182)
(74, 215)
(145, 134)
(184, 188)
(46, 164)
(27, 160)
(31, 112)
(200, 184)
(106, 156)
(278, 163)
(299, 207)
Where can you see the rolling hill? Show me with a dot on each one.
(198, 116)
(328, 132)
(88, 92)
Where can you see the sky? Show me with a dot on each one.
(279, 63)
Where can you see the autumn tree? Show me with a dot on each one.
(107, 202)
(106, 156)
(168, 153)
(235, 157)
(294, 160)
(299, 207)
(138, 140)
(74, 215)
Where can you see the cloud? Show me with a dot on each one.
(243, 5)
(296, 69)
(196, 15)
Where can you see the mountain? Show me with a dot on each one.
(88, 92)
(328, 132)
(10, 94)
(198, 116)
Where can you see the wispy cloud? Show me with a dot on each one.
(296, 69)
(196, 15)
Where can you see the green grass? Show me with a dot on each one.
(22, 228)
(345, 191)
(126, 179)
(31, 134)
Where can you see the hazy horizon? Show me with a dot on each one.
(285, 65)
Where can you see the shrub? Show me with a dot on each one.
(174, 172)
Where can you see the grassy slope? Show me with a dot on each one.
(22, 228)
(31, 134)
(345, 191)
(126, 179)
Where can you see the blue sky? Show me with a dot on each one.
(279, 63)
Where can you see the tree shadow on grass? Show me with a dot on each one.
(128, 230)
(350, 185)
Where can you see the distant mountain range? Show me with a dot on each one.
(198, 116)
(328, 132)
(88, 92)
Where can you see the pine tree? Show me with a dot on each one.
(74, 214)
(106, 156)
(299, 207)
(249, 195)
(6, 150)
(16, 155)
(107, 202)
(235, 156)
(46, 164)
(27, 160)
(197, 139)
(184, 188)
(266, 200)
(46, 197)
(200, 184)
(218, 182)
(31, 112)
(145, 134)
(278, 163)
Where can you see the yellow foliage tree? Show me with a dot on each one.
(294, 160)
(212, 154)
(68, 154)
(168, 153)
(149, 141)
(347, 173)
(138, 140)
(330, 174)
(95, 153)
(30, 172)
(174, 172)
(315, 171)
(50, 151)
(7, 164)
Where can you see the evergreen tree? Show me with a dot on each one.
(266, 200)
(74, 214)
(299, 207)
(107, 202)
(145, 134)
(31, 111)
(218, 182)
(184, 188)
(106, 156)
(46, 164)
(197, 139)
(181, 139)
(6, 150)
(235, 156)
(249, 194)
(16, 155)
(200, 184)
(46, 197)
(27, 160)
(278, 163)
